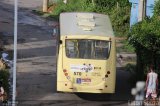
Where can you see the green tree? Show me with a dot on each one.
(145, 38)
(73, 6)
(118, 10)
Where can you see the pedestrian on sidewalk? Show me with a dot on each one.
(120, 59)
(55, 31)
(151, 84)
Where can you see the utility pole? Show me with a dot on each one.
(142, 10)
(45, 5)
(15, 52)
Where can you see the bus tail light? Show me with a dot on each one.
(66, 74)
(108, 72)
(106, 76)
(64, 70)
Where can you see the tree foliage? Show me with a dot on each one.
(118, 10)
(145, 37)
(4, 76)
(73, 6)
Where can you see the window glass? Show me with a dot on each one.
(87, 49)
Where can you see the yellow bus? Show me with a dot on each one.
(86, 54)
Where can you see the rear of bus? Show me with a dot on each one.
(86, 55)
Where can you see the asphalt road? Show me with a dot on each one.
(36, 72)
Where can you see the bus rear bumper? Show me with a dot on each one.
(100, 88)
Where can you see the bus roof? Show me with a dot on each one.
(75, 23)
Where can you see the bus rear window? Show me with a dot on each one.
(87, 49)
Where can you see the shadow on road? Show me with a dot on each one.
(94, 96)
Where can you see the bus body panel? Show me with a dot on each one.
(69, 24)
(97, 81)
(91, 74)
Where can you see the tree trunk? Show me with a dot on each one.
(45, 5)
(140, 65)
(155, 59)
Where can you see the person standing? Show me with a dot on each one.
(151, 84)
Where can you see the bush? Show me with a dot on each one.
(145, 38)
(118, 10)
(4, 76)
(73, 6)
